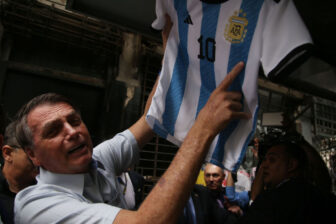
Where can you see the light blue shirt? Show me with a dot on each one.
(92, 197)
(241, 198)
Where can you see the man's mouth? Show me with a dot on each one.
(81, 146)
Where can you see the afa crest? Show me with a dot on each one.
(235, 31)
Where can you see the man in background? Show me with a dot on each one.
(132, 184)
(17, 173)
(281, 191)
(225, 197)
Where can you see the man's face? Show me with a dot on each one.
(275, 166)
(62, 143)
(213, 176)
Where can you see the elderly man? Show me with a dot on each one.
(225, 197)
(78, 184)
(17, 173)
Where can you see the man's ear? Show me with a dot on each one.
(7, 153)
(32, 156)
(292, 165)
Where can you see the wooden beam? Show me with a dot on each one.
(55, 74)
(280, 89)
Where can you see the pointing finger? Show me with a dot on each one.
(224, 85)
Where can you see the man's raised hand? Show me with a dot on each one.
(223, 105)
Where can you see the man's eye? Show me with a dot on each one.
(50, 134)
(52, 131)
(75, 121)
(271, 159)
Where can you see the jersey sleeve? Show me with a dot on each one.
(286, 41)
(161, 9)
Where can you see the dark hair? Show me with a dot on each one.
(10, 138)
(295, 151)
(23, 132)
(317, 171)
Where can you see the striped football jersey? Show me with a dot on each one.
(207, 39)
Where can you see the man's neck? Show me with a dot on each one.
(15, 183)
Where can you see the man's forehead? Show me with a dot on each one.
(276, 150)
(46, 112)
(213, 169)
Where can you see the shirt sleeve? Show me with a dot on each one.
(286, 40)
(118, 153)
(52, 204)
(241, 198)
(161, 9)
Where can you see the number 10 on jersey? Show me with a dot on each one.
(207, 49)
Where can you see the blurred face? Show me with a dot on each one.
(275, 166)
(62, 143)
(213, 176)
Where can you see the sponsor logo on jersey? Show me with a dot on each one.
(188, 20)
(235, 30)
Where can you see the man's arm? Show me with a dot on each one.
(166, 201)
(258, 184)
(230, 191)
(241, 198)
(141, 130)
(236, 197)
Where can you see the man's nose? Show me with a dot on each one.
(71, 132)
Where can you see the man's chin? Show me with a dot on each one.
(83, 166)
(212, 188)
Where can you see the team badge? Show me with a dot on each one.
(235, 31)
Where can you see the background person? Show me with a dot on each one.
(284, 194)
(132, 184)
(18, 172)
(202, 208)
(214, 176)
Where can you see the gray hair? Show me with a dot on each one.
(10, 139)
(10, 136)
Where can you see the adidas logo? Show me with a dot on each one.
(188, 20)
